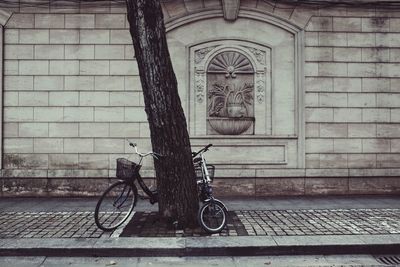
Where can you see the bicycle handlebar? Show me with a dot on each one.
(204, 149)
(153, 154)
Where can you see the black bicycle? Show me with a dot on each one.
(117, 202)
(212, 215)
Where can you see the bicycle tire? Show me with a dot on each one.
(109, 216)
(212, 217)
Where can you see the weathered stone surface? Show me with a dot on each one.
(321, 186)
(279, 186)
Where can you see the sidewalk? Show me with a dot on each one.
(270, 226)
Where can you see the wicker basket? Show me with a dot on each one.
(127, 169)
(199, 172)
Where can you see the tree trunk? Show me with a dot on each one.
(175, 175)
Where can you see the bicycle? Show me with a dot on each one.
(212, 215)
(117, 202)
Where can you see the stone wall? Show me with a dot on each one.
(72, 95)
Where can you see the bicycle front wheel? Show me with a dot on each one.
(115, 205)
(212, 217)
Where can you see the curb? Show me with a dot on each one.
(202, 246)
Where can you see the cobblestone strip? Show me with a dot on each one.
(49, 225)
(321, 222)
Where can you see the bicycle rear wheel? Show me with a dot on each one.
(212, 217)
(115, 205)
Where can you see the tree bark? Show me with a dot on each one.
(175, 175)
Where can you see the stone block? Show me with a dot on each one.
(347, 145)
(18, 145)
(133, 83)
(395, 145)
(78, 114)
(30, 36)
(109, 51)
(16, 83)
(388, 100)
(375, 24)
(33, 98)
(18, 114)
(124, 98)
(11, 67)
(75, 83)
(94, 36)
(395, 115)
(388, 160)
(48, 83)
(144, 130)
(362, 100)
(124, 67)
(375, 85)
(374, 185)
(318, 54)
(388, 130)
(326, 186)
(94, 129)
(361, 40)
(63, 129)
(18, 51)
(347, 24)
(361, 160)
(327, 172)
(135, 114)
(312, 130)
(333, 161)
(362, 130)
(347, 84)
(235, 187)
(120, 37)
(63, 161)
(109, 83)
(80, 187)
(78, 145)
(394, 24)
(271, 173)
(93, 161)
(25, 161)
(48, 145)
(376, 115)
(129, 52)
(388, 39)
(347, 115)
(109, 145)
(47, 21)
(10, 129)
(49, 52)
(394, 55)
(79, 21)
(375, 55)
(318, 84)
(109, 114)
(94, 98)
(345, 54)
(332, 69)
(388, 70)
(336, 130)
(11, 36)
(48, 114)
(322, 24)
(34, 67)
(332, 39)
(311, 39)
(312, 160)
(319, 115)
(64, 67)
(24, 186)
(110, 21)
(175, 8)
(64, 36)
(333, 99)
(319, 145)
(10, 99)
(362, 69)
(124, 130)
(193, 5)
(20, 20)
(311, 69)
(279, 186)
(376, 145)
(64, 99)
(94, 67)
(33, 130)
(79, 51)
